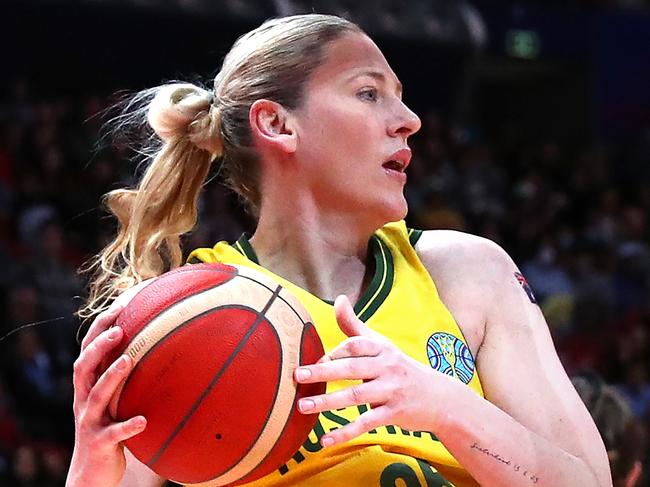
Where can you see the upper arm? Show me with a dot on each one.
(138, 474)
(521, 372)
(516, 359)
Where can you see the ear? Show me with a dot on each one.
(272, 125)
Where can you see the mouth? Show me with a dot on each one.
(394, 165)
(398, 161)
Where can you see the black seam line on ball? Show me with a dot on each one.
(281, 298)
(291, 412)
(268, 414)
(215, 379)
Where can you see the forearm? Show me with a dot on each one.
(88, 471)
(135, 475)
(552, 443)
(497, 450)
(80, 478)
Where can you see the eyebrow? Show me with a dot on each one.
(379, 76)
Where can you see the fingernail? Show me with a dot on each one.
(114, 332)
(303, 373)
(306, 405)
(327, 441)
(140, 423)
(122, 362)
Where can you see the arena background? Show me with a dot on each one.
(536, 134)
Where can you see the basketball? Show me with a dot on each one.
(214, 349)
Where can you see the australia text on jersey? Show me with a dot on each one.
(391, 473)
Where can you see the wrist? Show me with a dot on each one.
(449, 398)
(81, 474)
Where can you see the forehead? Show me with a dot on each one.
(348, 55)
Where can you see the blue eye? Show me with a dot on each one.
(369, 94)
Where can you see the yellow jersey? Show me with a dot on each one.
(402, 303)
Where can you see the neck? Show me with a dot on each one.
(325, 253)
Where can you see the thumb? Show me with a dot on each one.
(347, 320)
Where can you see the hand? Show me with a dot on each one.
(98, 455)
(398, 388)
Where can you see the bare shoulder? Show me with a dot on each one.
(466, 269)
(449, 250)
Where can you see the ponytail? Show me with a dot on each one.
(152, 217)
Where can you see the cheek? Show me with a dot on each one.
(340, 117)
(335, 123)
(330, 139)
(341, 133)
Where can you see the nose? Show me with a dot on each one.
(406, 122)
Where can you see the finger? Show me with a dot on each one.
(347, 319)
(364, 393)
(352, 347)
(119, 432)
(366, 422)
(324, 359)
(356, 347)
(361, 368)
(85, 367)
(102, 392)
(103, 321)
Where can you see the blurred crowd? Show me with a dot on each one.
(574, 218)
(619, 4)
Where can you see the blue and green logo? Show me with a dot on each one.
(449, 355)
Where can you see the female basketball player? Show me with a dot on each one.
(444, 339)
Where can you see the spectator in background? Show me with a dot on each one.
(621, 432)
(26, 470)
(635, 387)
(9, 435)
(39, 386)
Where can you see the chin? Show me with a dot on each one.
(393, 210)
(402, 212)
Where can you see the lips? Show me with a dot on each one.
(399, 160)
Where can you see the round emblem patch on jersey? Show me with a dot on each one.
(449, 355)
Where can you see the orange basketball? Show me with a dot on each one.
(214, 349)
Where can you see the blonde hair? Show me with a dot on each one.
(193, 127)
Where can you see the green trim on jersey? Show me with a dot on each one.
(414, 236)
(380, 284)
(244, 247)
